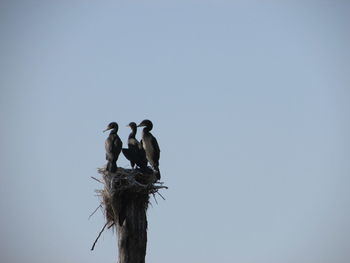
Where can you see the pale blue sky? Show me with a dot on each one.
(250, 105)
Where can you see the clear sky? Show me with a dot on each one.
(250, 105)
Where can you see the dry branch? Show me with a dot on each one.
(94, 211)
(99, 234)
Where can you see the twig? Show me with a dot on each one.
(161, 195)
(155, 199)
(95, 211)
(93, 246)
(96, 179)
(159, 187)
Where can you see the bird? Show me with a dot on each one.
(113, 146)
(150, 145)
(135, 153)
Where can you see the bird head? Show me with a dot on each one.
(146, 123)
(132, 125)
(112, 125)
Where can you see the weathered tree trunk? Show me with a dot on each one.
(132, 235)
(125, 200)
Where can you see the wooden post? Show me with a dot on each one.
(125, 199)
(132, 235)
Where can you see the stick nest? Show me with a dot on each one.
(122, 185)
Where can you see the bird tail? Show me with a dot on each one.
(158, 172)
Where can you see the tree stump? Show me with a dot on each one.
(132, 234)
(125, 199)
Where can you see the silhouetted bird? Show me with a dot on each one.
(113, 147)
(135, 153)
(150, 145)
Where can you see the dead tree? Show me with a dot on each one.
(124, 199)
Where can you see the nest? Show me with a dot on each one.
(122, 188)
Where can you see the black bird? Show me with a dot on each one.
(150, 145)
(135, 153)
(113, 146)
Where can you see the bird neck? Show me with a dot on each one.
(146, 130)
(132, 134)
(114, 131)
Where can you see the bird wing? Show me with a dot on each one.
(142, 160)
(109, 144)
(109, 148)
(118, 144)
(156, 150)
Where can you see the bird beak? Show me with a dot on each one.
(140, 125)
(107, 129)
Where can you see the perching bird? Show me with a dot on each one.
(135, 153)
(113, 146)
(150, 145)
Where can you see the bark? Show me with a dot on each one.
(132, 235)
